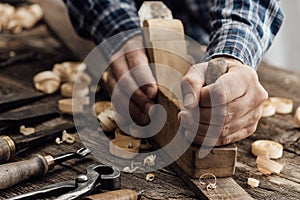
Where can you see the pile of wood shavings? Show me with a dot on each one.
(16, 19)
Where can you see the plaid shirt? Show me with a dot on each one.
(243, 29)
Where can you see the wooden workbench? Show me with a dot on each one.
(166, 184)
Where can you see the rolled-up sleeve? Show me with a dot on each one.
(243, 29)
(101, 19)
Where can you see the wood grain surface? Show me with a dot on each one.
(166, 185)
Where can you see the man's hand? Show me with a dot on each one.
(131, 56)
(238, 98)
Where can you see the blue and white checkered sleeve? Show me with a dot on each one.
(101, 19)
(243, 29)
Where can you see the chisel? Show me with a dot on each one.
(10, 145)
(38, 165)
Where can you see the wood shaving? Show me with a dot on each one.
(106, 121)
(26, 130)
(277, 105)
(150, 160)
(47, 82)
(252, 182)
(101, 106)
(267, 166)
(66, 137)
(209, 185)
(267, 148)
(66, 105)
(282, 105)
(132, 168)
(69, 71)
(124, 148)
(268, 109)
(16, 19)
(67, 90)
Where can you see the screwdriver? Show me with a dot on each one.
(123, 194)
(10, 145)
(38, 165)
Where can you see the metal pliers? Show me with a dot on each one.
(98, 177)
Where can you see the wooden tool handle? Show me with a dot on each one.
(13, 173)
(215, 69)
(7, 148)
(124, 194)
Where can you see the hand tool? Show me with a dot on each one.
(38, 165)
(10, 121)
(10, 145)
(123, 194)
(97, 177)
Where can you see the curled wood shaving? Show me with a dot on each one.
(282, 105)
(26, 130)
(209, 185)
(267, 166)
(124, 148)
(71, 71)
(268, 109)
(67, 90)
(150, 160)
(252, 182)
(277, 105)
(106, 121)
(132, 167)
(101, 106)
(267, 148)
(16, 19)
(66, 137)
(47, 82)
(66, 105)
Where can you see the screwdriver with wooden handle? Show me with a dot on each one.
(123, 194)
(10, 145)
(38, 165)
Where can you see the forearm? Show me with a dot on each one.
(243, 30)
(99, 20)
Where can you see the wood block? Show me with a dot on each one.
(163, 30)
(171, 51)
(220, 161)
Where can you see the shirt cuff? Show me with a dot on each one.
(237, 41)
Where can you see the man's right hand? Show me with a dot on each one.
(130, 56)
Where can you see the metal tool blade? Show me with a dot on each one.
(81, 153)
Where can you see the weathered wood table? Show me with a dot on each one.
(48, 50)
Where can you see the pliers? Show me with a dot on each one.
(97, 177)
